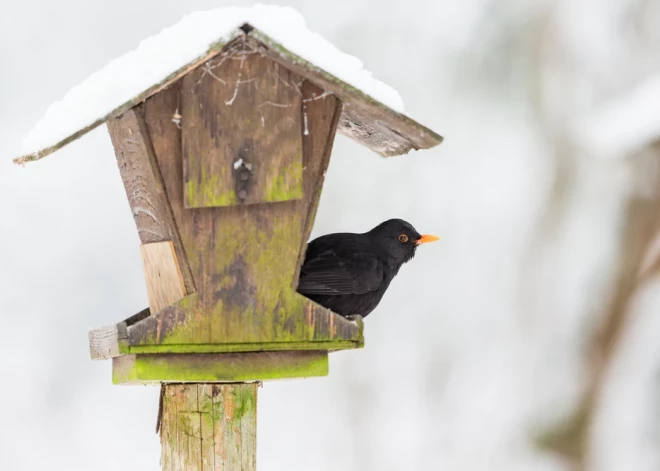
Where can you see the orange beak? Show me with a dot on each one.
(426, 238)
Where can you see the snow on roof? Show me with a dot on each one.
(158, 57)
(625, 124)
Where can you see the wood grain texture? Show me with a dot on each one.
(243, 258)
(144, 186)
(165, 284)
(112, 340)
(321, 114)
(105, 342)
(209, 427)
(218, 367)
(241, 131)
(213, 50)
(364, 119)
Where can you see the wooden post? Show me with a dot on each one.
(209, 427)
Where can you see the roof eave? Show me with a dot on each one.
(364, 119)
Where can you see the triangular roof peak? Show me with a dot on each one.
(372, 112)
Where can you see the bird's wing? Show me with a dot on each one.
(332, 272)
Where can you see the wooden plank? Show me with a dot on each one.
(364, 119)
(218, 367)
(228, 411)
(243, 258)
(321, 114)
(165, 284)
(240, 132)
(147, 204)
(108, 342)
(144, 185)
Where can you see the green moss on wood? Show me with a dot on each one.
(282, 189)
(209, 192)
(218, 367)
(248, 347)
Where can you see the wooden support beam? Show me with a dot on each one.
(218, 367)
(112, 340)
(209, 427)
(144, 186)
(108, 342)
(165, 284)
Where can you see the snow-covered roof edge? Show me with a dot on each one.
(113, 90)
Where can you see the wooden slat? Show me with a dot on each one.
(241, 132)
(216, 367)
(321, 114)
(216, 427)
(144, 186)
(165, 284)
(104, 342)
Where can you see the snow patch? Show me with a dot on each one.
(159, 56)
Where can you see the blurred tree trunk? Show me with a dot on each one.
(638, 261)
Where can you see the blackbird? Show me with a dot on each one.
(349, 273)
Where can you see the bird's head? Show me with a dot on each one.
(399, 239)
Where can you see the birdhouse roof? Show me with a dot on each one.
(372, 113)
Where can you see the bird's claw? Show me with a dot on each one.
(355, 318)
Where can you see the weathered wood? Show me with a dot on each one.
(321, 114)
(108, 342)
(213, 49)
(112, 340)
(364, 118)
(218, 367)
(144, 186)
(241, 132)
(209, 427)
(165, 284)
(243, 258)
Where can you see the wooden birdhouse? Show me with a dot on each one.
(223, 161)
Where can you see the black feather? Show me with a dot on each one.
(349, 273)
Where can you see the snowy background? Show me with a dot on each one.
(528, 338)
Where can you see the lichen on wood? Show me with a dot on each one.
(240, 133)
(244, 259)
(209, 427)
(218, 367)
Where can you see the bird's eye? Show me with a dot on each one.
(403, 238)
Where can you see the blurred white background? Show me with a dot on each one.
(527, 339)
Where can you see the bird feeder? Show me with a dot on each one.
(223, 163)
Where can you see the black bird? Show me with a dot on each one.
(349, 273)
